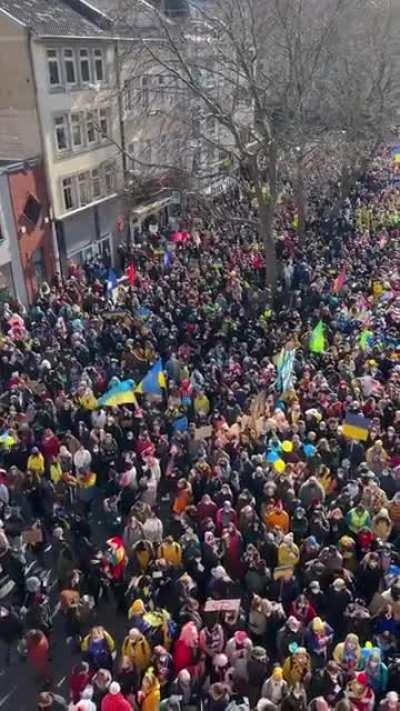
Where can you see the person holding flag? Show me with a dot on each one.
(317, 343)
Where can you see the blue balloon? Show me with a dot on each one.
(309, 450)
(272, 457)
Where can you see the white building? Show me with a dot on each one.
(68, 71)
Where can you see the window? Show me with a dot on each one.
(32, 210)
(98, 65)
(84, 188)
(76, 130)
(104, 122)
(96, 183)
(62, 138)
(68, 193)
(90, 129)
(69, 66)
(145, 91)
(84, 65)
(54, 67)
(109, 179)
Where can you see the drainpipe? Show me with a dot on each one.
(56, 251)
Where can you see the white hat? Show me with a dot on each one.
(114, 688)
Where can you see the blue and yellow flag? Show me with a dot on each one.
(154, 381)
(122, 393)
(356, 427)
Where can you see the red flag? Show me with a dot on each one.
(339, 282)
(131, 273)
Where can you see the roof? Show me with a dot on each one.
(59, 18)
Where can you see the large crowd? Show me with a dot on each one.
(248, 546)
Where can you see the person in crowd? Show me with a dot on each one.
(202, 473)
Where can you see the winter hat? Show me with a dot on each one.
(114, 688)
(240, 637)
(362, 679)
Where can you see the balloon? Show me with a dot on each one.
(279, 466)
(287, 446)
(309, 450)
(272, 457)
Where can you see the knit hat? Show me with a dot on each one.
(362, 679)
(240, 637)
(114, 688)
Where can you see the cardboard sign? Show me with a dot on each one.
(222, 606)
(204, 432)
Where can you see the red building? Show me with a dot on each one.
(30, 236)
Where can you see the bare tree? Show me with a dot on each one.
(266, 86)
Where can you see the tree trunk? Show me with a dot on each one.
(267, 214)
(266, 210)
(300, 198)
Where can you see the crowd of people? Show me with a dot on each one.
(246, 546)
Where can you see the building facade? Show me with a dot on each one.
(63, 105)
(27, 255)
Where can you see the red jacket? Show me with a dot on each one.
(50, 446)
(183, 656)
(77, 683)
(115, 702)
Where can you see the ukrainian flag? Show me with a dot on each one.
(356, 427)
(122, 393)
(396, 154)
(154, 381)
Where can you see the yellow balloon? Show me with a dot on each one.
(287, 446)
(279, 466)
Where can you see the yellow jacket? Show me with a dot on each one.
(138, 652)
(151, 698)
(55, 472)
(172, 553)
(36, 463)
